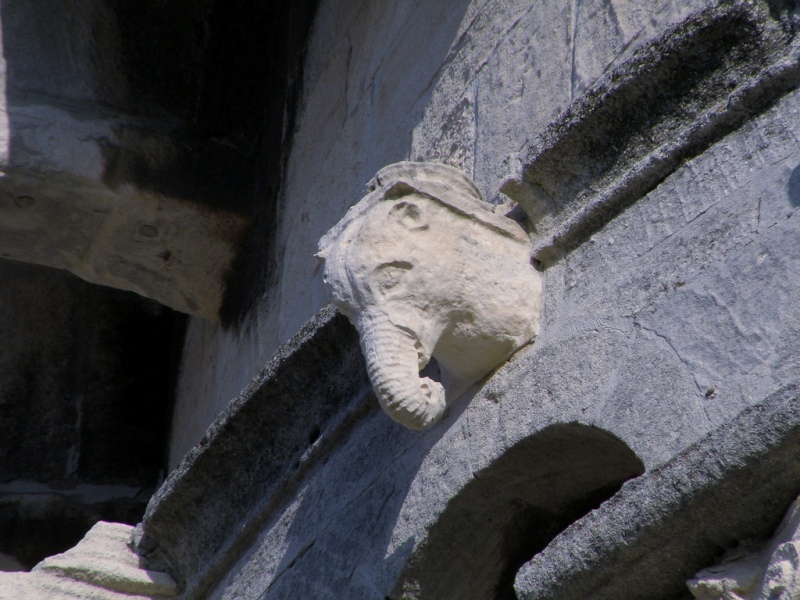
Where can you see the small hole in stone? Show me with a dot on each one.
(314, 435)
(148, 231)
(24, 201)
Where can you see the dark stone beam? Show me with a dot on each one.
(670, 101)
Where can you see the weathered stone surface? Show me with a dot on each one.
(514, 508)
(170, 250)
(716, 291)
(663, 331)
(100, 567)
(646, 540)
(464, 83)
(425, 269)
(685, 89)
(101, 173)
(279, 429)
(140, 148)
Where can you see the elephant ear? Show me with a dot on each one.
(409, 215)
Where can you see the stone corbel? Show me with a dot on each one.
(424, 268)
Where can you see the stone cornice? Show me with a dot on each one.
(674, 97)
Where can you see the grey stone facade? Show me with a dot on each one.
(651, 428)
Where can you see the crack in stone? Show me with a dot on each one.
(572, 75)
(700, 391)
(303, 551)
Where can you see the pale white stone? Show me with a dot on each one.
(100, 567)
(423, 267)
(771, 574)
(168, 249)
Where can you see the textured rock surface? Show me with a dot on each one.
(102, 173)
(708, 311)
(648, 538)
(692, 84)
(284, 425)
(425, 269)
(769, 574)
(669, 331)
(467, 84)
(100, 567)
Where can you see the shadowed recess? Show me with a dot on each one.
(793, 189)
(512, 509)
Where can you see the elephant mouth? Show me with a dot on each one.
(432, 371)
(399, 365)
(426, 362)
(424, 358)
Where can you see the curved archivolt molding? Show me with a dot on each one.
(512, 509)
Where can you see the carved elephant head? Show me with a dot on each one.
(423, 268)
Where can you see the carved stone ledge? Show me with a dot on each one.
(665, 525)
(175, 251)
(670, 101)
(301, 405)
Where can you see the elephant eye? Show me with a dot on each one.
(390, 274)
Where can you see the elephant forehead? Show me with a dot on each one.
(378, 233)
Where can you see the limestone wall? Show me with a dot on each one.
(653, 424)
(464, 83)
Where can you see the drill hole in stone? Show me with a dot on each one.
(314, 435)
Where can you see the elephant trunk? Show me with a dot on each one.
(393, 364)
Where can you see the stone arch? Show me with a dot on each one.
(513, 508)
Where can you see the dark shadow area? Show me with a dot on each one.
(274, 106)
(793, 188)
(201, 95)
(512, 509)
(35, 526)
(86, 394)
(238, 65)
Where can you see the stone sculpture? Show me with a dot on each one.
(770, 574)
(423, 267)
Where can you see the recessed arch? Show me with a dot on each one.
(511, 510)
